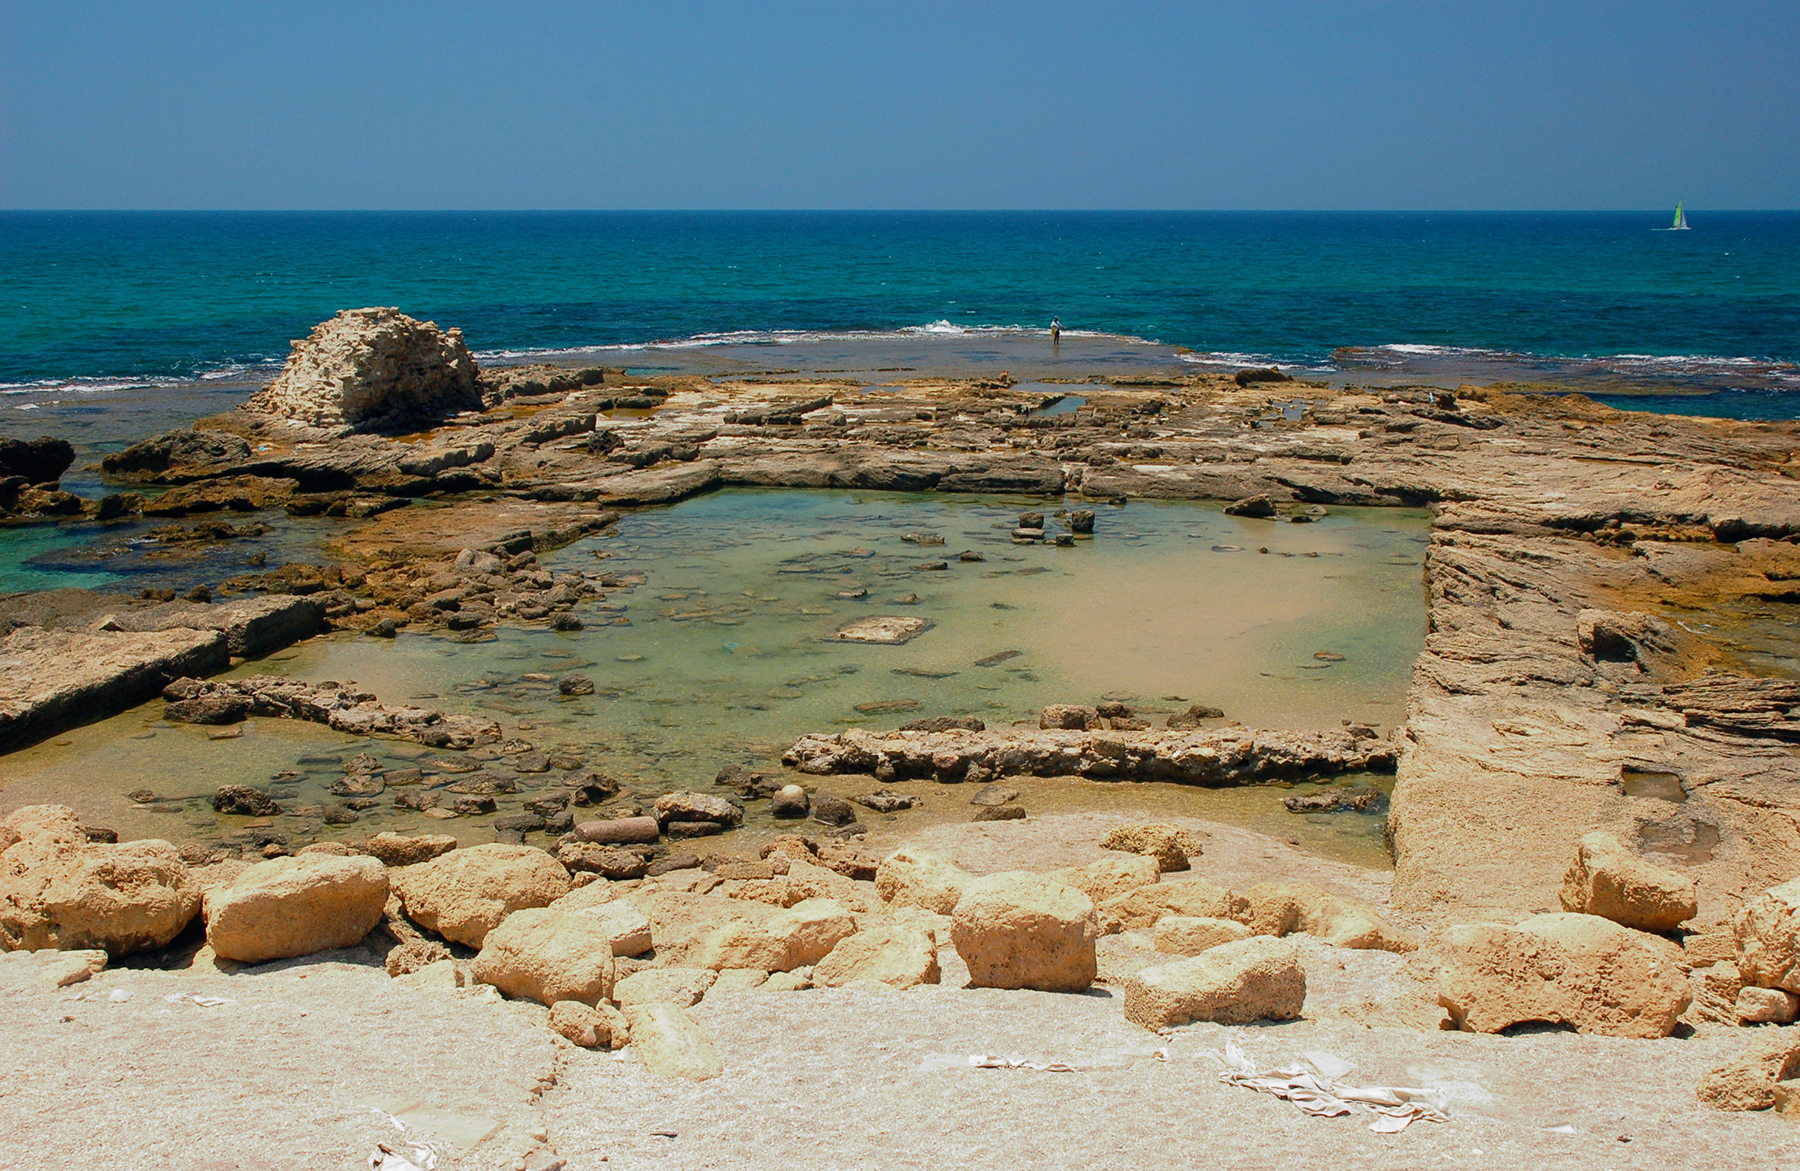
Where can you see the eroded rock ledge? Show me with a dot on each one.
(225, 701)
(1229, 756)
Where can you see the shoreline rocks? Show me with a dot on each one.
(289, 907)
(374, 365)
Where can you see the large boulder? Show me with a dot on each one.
(1768, 938)
(465, 894)
(1277, 908)
(1233, 984)
(915, 878)
(1109, 877)
(295, 906)
(1578, 970)
(893, 954)
(781, 941)
(1608, 880)
(1191, 896)
(369, 365)
(37, 461)
(1020, 930)
(1750, 1082)
(545, 955)
(58, 891)
(626, 925)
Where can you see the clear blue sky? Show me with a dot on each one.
(901, 105)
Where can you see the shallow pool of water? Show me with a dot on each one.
(722, 655)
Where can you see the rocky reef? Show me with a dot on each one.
(371, 366)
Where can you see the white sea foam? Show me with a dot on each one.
(933, 330)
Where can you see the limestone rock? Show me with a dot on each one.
(1069, 716)
(1189, 935)
(1192, 896)
(892, 954)
(915, 878)
(1276, 908)
(1233, 984)
(1749, 1083)
(590, 1026)
(544, 955)
(1579, 970)
(736, 979)
(399, 850)
(1608, 880)
(676, 807)
(1172, 848)
(1109, 877)
(679, 986)
(1020, 930)
(1768, 938)
(1766, 1006)
(366, 365)
(796, 937)
(627, 927)
(58, 892)
(671, 1043)
(466, 893)
(295, 906)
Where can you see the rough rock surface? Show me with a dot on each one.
(295, 906)
(1230, 756)
(916, 878)
(370, 365)
(679, 986)
(1768, 938)
(892, 954)
(591, 1026)
(1189, 935)
(1608, 880)
(1109, 878)
(57, 891)
(342, 708)
(55, 679)
(467, 893)
(1276, 908)
(1233, 984)
(794, 937)
(540, 954)
(409, 850)
(1749, 1082)
(1021, 930)
(1578, 970)
(671, 1043)
(1147, 904)
(1171, 847)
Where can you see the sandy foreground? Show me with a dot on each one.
(305, 1063)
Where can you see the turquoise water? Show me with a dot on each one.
(722, 656)
(96, 300)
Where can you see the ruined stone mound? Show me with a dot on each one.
(369, 365)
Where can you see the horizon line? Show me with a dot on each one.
(1659, 209)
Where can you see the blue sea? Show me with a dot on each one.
(115, 309)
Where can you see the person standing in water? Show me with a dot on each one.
(1056, 333)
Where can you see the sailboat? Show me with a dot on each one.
(1680, 224)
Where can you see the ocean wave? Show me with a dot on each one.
(1231, 360)
(942, 329)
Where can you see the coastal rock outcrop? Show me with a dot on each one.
(59, 891)
(342, 708)
(1578, 970)
(1192, 897)
(1189, 935)
(1608, 880)
(671, 1043)
(1227, 756)
(466, 893)
(295, 906)
(1172, 848)
(1233, 984)
(1021, 930)
(370, 365)
(36, 461)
